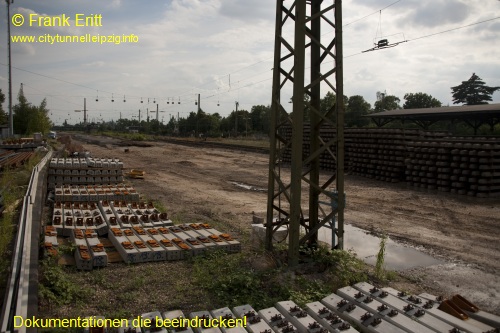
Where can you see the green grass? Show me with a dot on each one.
(14, 183)
(128, 136)
(148, 137)
(243, 142)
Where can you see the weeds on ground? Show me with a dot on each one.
(309, 291)
(56, 287)
(231, 280)
(379, 264)
(159, 205)
(12, 184)
(380, 272)
(343, 267)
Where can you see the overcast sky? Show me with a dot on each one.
(223, 50)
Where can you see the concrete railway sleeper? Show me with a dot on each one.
(410, 305)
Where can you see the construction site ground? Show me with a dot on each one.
(200, 184)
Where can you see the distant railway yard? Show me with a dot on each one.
(249, 167)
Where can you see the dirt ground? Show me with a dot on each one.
(197, 185)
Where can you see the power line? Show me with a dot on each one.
(375, 12)
(464, 26)
(49, 77)
(47, 94)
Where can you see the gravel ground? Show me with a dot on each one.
(198, 185)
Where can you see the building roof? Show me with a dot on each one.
(472, 115)
(482, 109)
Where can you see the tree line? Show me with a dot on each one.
(30, 118)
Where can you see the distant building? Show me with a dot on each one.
(133, 129)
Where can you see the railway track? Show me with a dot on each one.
(212, 144)
(179, 141)
(13, 159)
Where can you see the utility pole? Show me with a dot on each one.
(157, 112)
(140, 117)
(236, 119)
(177, 129)
(246, 125)
(11, 117)
(198, 114)
(85, 112)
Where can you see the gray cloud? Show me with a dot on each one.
(248, 11)
(434, 13)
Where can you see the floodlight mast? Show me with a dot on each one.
(305, 165)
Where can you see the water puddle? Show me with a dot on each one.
(366, 246)
(249, 187)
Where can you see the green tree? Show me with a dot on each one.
(307, 99)
(261, 118)
(28, 118)
(4, 119)
(386, 102)
(21, 113)
(472, 92)
(214, 121)
(188, 125)
(207, 124)
(328, 102)
(242, 119)
(356, 108)
(419, 101)
(171, 127)
(244, 122)
(40, 121)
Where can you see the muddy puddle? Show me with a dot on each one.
(366, 246)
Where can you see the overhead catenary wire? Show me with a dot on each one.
(436, 33)
(453, 29)
(375, 12)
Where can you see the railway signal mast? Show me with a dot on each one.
(84, 112)
(285, 204)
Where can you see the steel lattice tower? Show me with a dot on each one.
(285, 205)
